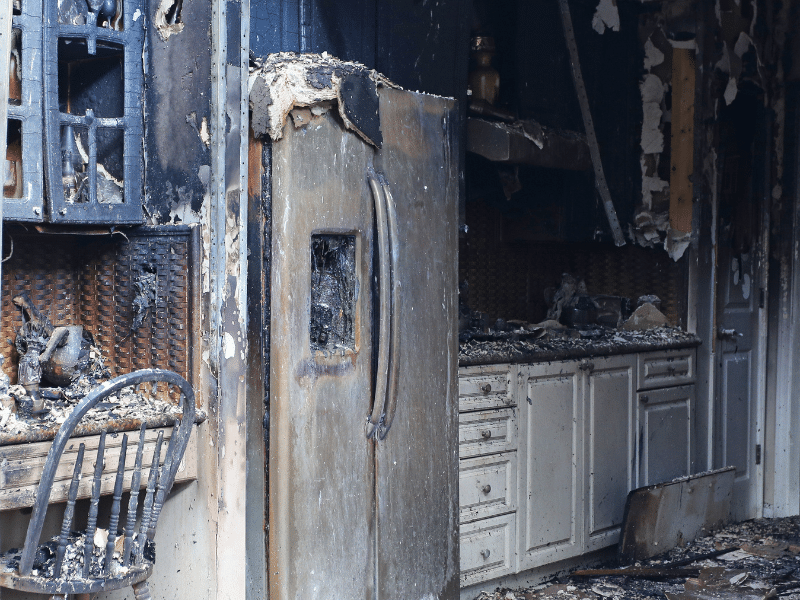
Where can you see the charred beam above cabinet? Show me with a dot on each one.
(528, 143)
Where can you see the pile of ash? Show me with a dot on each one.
(72, 567)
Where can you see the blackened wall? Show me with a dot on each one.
(536, 83)
(177, 100)
(419, 44)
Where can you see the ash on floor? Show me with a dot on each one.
(762, 561)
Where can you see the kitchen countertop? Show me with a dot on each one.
(558, 345)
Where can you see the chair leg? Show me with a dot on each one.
(141, 591)
(58, 597)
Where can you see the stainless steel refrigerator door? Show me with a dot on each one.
(321, 465)
(417, 462)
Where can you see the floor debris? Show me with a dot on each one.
(760, 560)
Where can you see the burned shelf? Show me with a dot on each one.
(527, 142)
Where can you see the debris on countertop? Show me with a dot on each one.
(762, 561)
(647, 316)
(577, 325)
(124, 411)
(561, 344)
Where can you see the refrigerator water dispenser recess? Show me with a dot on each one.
(334, 293)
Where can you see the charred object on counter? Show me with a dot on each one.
(574, 307)
(56, 354)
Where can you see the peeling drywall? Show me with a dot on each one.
(650, 226)
(168, 20)
(606, 16)
(736, 56)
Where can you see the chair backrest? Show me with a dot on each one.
(158, 485)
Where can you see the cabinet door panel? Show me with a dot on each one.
(665, 434)
(609, 398)
(550, 513)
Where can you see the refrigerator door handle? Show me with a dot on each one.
(384, 307)
(394, 343)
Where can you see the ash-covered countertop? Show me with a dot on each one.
(125, 410)
(521, 347)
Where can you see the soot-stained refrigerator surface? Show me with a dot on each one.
(363, 459)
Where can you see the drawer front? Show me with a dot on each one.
(487, 549)
(481, 388)
(666, 369)
(487, 432)
(487, 486)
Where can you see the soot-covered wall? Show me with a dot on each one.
(177, 108)
(536, 83)
(419, 44)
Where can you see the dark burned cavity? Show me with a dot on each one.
(333, 292)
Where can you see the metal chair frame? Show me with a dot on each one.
(137, 567)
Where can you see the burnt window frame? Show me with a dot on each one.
(30, 207)
(130, 39)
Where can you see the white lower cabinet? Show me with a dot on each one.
(608, 397)
(487, 486)
(549, 452)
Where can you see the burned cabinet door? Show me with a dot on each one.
(24, 168)
(321, 464)
(93, 90)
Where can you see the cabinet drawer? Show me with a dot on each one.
(481, 387)
(487, 549)
(486, 432)
(666, 369)
(487, 486)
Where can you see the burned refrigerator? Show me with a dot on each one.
(363, 456)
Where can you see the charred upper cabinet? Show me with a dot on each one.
(92, 93)
(22, 184)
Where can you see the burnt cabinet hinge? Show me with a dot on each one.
(758, 454)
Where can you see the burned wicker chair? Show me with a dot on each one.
(129, 552)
